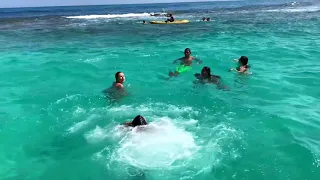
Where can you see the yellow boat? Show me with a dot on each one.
(174, 22)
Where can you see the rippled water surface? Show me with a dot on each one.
(57, 124)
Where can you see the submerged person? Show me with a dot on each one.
(243, 66)
(117, 87)
(206, 77)
(185, 63)
(170, 19)
(137, 121)
(205, 19)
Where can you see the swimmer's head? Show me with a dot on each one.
(139, 121)
(187, 52)
(206, 71)
(208, 19)
(204, 18)
(243, 61)
(120, 78)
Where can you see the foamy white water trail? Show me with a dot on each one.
(298, 9)
(109, 16)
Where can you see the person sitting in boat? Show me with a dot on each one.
(171, 18)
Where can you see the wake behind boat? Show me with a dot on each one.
(163, 13)
(159, 14)
(168, 22)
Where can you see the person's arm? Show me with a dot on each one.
(233, 69)
(241, 70)
(119, 86)
(199, 61)
(175, 61)
(127, 123)
(215, 76)
(197, 75)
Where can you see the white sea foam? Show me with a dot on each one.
(172, 140)
(159, 109)
(79, 125)
(68, 98)
(109, 16)
(158, 145)
(296, 9)
(98, 134)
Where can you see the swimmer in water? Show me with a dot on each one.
(206, 77)
(144, 22)
(117, 87)
(137, 121)
(185, 63)
(243, 66)
(120, 78)
(204, 19)
(208, 19)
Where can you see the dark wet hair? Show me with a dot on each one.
(144, 21)
(204, 18)
(243, 60)
(139, 121)
(117, 74)
(208, 19)
(187, 49)
(206, 68)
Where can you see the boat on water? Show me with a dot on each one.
(174, 22)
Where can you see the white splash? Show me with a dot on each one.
(160, 109)
(298, 9)
(158, 145)
(109, 16)
(79, 125)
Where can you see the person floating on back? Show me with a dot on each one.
(137, 121)
(185, 63)
(243, 66)
(170, 19)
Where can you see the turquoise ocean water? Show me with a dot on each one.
(55, 122)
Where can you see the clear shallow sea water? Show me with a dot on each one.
(57, 124)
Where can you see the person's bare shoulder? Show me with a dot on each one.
(119, 86)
